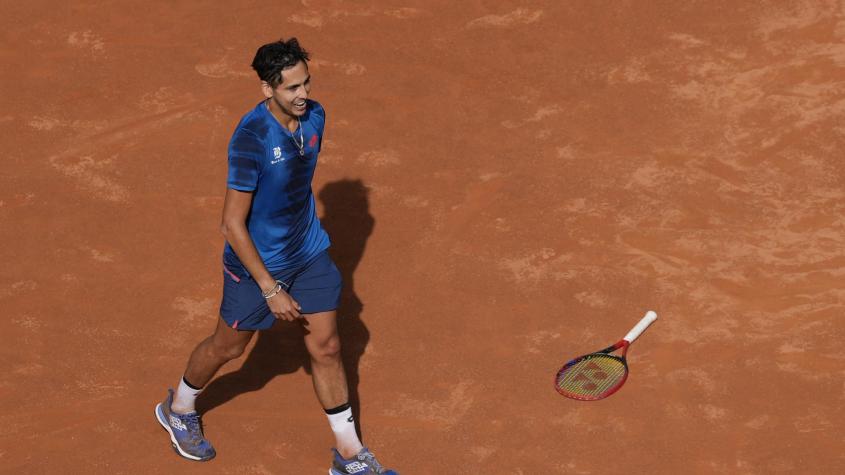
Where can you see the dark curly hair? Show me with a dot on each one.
(272, 58)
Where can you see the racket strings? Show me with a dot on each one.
(592, 376)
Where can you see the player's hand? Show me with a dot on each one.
(284, 307)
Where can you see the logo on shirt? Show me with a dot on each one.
(313, 140)
(277, 155)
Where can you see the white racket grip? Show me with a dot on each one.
(635, 332)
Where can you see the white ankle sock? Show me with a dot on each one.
(343, 426)
(186, 395)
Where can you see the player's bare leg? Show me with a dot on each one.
(329, 379)
(176, 413)
(210, 355)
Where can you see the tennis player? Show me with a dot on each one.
(275, 261)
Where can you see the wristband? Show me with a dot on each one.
(272, 292)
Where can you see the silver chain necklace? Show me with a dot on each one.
(301, 144)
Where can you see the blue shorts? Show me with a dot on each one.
(315, 286)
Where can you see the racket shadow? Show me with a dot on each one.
(281, 349)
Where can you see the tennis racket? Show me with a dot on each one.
(598, 375)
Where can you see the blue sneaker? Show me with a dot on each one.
(364, 463)
(185, 431)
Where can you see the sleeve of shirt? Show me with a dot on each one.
(322, 127)
(245, 152)
(320, 122)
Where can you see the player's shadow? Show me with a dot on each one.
(281, 349)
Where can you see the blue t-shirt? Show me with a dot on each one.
(265, 160)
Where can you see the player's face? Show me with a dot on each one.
(291, 94)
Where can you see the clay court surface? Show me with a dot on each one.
(507, 184)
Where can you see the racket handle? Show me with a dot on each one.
(635, 332)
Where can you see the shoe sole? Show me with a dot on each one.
(166, 426)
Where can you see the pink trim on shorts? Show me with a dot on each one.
(232, 275)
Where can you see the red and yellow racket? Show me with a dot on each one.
(598, 375)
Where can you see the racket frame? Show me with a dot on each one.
(605, 353)
(622, 344)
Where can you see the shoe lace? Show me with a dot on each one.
(371, 461)
(194, 425)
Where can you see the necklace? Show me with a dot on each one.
(301, 144)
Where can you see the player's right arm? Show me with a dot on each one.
(233, 226)
(246, 150)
